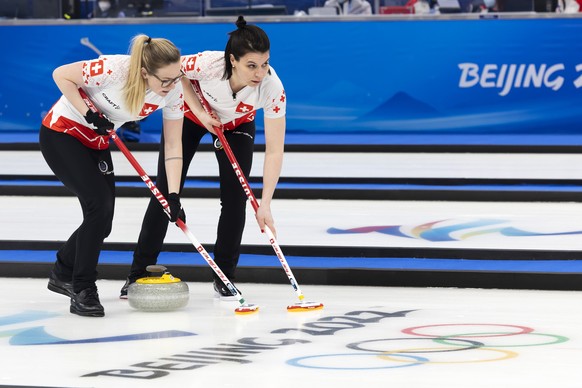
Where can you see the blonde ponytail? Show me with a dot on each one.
(149, 54)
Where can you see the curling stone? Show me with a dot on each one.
(160, 291)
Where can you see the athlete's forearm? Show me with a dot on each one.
(274, 149)
(173, 153)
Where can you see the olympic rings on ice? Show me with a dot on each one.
(453, 346)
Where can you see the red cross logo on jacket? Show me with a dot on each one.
(244, 108)
(189, 63)
(95, 68)
(148, 109)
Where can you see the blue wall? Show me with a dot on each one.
(382, 77)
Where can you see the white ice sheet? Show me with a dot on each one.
(364, 336)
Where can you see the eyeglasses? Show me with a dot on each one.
(168, 82)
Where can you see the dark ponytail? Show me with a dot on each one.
(245, 39)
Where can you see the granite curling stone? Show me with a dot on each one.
(160, 291)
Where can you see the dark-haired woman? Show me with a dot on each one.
(236, 83)
(74, 141)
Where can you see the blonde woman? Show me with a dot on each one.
(75, 143)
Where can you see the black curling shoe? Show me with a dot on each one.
(86, 303)
(59, 286)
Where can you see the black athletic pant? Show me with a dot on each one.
(89, 175)
(232, 199)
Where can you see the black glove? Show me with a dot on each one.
(103, 125)
(176, 210)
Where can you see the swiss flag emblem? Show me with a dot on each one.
(96, 68)
(189, 63)
(148, 109)
(244, 108)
